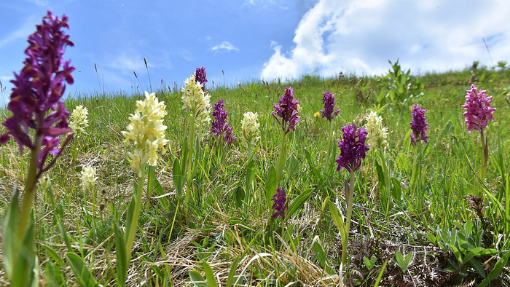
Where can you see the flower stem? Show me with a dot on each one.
(415, 168)
(134, 222)
(29, 194)
(191, 138)
(281, 160)
(349, 198)
(350, 203)
(485, 153)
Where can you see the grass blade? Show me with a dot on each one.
(80, 270)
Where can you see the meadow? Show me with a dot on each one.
(227, 224)
(394, 180)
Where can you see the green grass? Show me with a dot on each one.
(218, 231)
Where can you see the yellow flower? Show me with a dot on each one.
(317, 114)
(146, 131)
(377, 134)
(88, 177)
(250, 128)
(79, 119)
(195, 100)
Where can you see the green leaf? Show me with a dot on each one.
(80, 270)
(369, 263)
(211, 281)
(407, 139)
(54, 255)
(178, 178)
(401, 262)
(472, 253)
(314, 172)
(488, 252)
(456, 251)
(408, 258)
(233, 269)
(130, 214)
(432, 239)
(478, 267)
(380, 274)
(122, 258)
(239, 196)
(26, 267)
(53, 275)
(197, 279)
(293, 165)
(250, 177)
(270, 185)
(400, 259)
(496, 270)
(9, 226)
(396, 191)
(64, 235)
(381, 177)
(337, 218)
(297, 202)
(153, 183)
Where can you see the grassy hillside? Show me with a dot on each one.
(438, 218)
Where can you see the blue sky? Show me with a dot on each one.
(255, 39)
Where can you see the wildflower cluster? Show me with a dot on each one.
(418, 125)
(147, 132)
(377, 133)
(195, 99)
(38, 89)
(88, 177)
(201, 77)
(220, 127)
(280, 203)
(79, 119)
(352, 148)
(329, 105)
(250, 128)
(478, 109)
(287, 110)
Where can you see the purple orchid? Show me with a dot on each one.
(418, 125)
(478, 109)
(329, 106)
(200, 76)
(38, 89)
(287, 110)
(352, 148)
(280, 203)
(220, 127)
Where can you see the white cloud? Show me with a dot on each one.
(22, 32)
(258, 2)
(361, 36)
(128, 62)
(5, 79)
(225, 46)
(39, 2)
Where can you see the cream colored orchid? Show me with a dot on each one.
(79, 119)
(147, 131)
(88, 177)
(195, 100)
(250, 128)
(377, 133)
